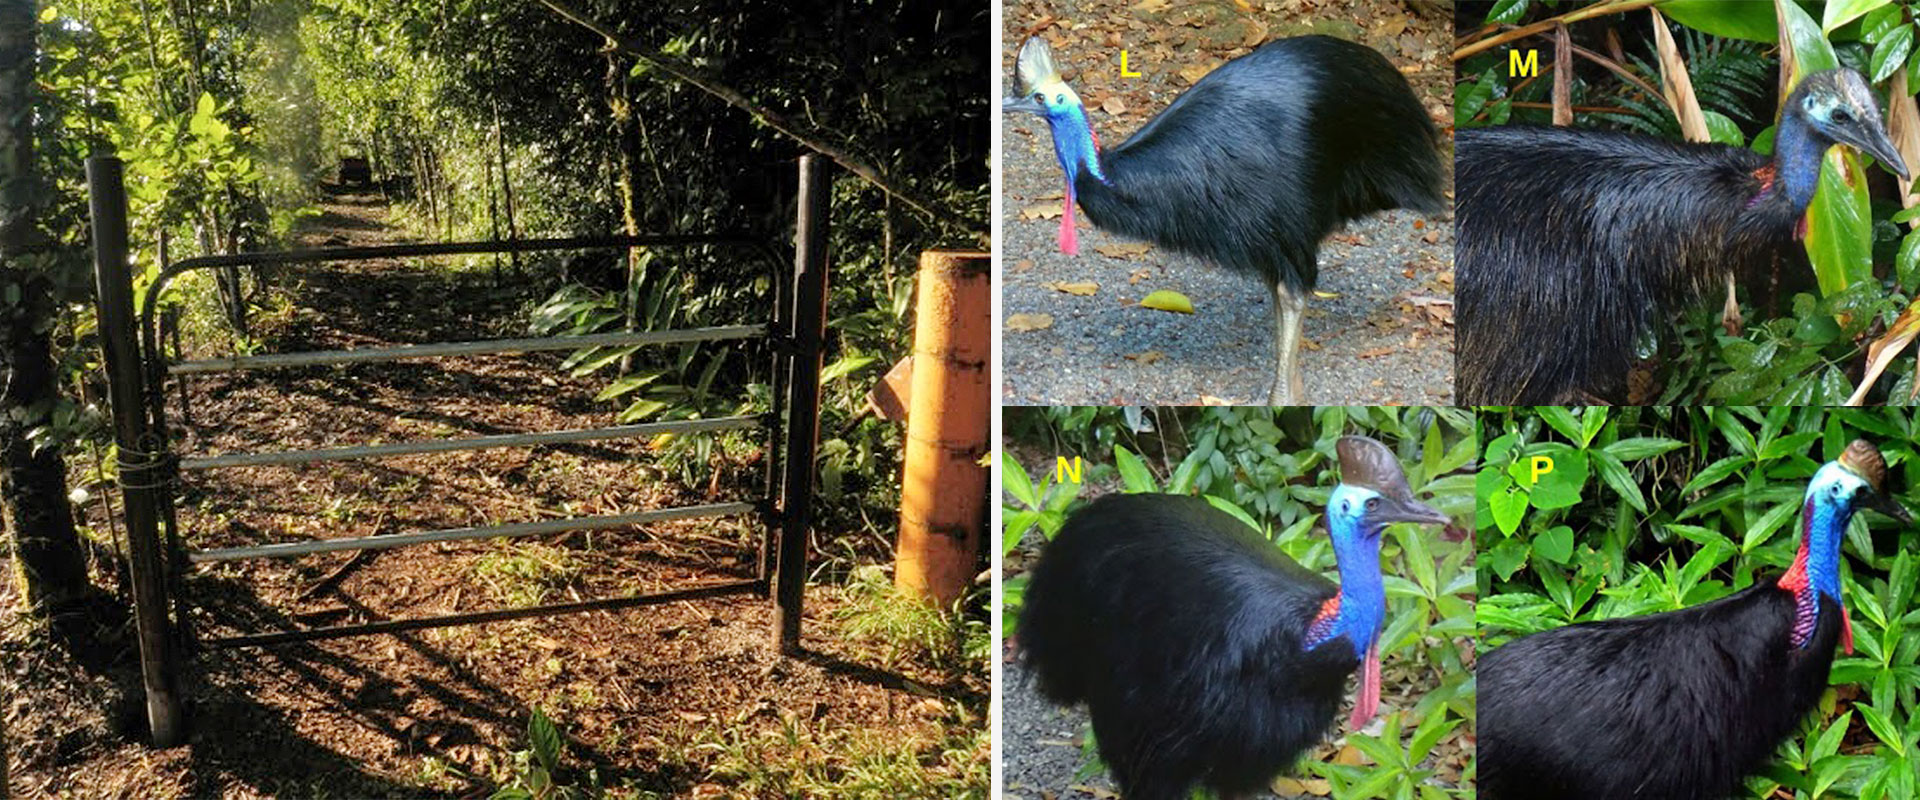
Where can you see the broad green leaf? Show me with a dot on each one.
(1841, 12)
(1764, 527)
(1562, 420)
(1752, 21)
(1639, 447)
(1508, 509)
(1811, 50)
(1555, 545)
(845, 366)
(1722, 129)
(1840, 225)
(1714, 473)
(1133, 473)
(1891, 53)
(1235, 511)
(546, 740)
(1507, 12)
(1014, 481)
(1617, 478)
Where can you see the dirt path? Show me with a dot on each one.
(656, 700)
(1381, 332)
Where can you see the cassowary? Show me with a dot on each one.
(1251, 167)
(1203, 654)
(1681, 705)
(1574, 244)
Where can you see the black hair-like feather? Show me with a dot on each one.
(1674, 706)
(1269, 153)
(1573, 243)
(1181, 630)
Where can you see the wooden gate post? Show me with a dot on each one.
(141, 469)
(943, 498)
(803, 404)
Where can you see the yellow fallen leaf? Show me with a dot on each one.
(1146, 357)
(1294, 787)
(1152, 6)
(1114, 105)
(1325, 295)
(1123, 250)
(1166, 300)
(1083, 288)
(1021, 323)
(1043, 210)
(1210, 400)
(1192, 73)
(1349, 756)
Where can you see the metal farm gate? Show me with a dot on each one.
(138, 370)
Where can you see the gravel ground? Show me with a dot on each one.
(1385, 337)
(1040, 746)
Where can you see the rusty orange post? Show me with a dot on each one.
(943, 499)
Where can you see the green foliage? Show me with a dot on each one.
(909, 628)
(538, 772)
(1653, 509)
(1273, 469)
(1803, 339)
(803, 760)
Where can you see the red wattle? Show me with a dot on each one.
(1846, 630)
(1069, 238)
(1796, 578)
(1368, 703)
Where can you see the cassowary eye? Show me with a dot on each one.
(1039, 97)
(1373, 503)
(1841, 116)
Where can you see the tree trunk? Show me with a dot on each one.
(33, 485)
(626, 138)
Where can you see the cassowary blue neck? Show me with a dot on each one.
(1797, 153)
(1074, 144)
(1816, 567)
(1358, 611)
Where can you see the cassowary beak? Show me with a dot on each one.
(1026, 104)
(1408, 510)
(1885, 504)
(1870, 138)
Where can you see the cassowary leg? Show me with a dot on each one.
(1730, 315)
(1289, 308)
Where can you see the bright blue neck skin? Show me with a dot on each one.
(1828, 508)
(1073, 141)
(1356, 546)
(1797, 153)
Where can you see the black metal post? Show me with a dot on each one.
(141, 468)
(803, 406)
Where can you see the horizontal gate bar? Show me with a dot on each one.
(508, 531)
(483, 347)
(478, 617)
(467, 443)
(463, 248)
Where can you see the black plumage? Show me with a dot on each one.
(1573, 245)
(1181, 631)
(1680, 705)
(1204, 655)
(1268, 154)
(1254, 165)
(1674, 706)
